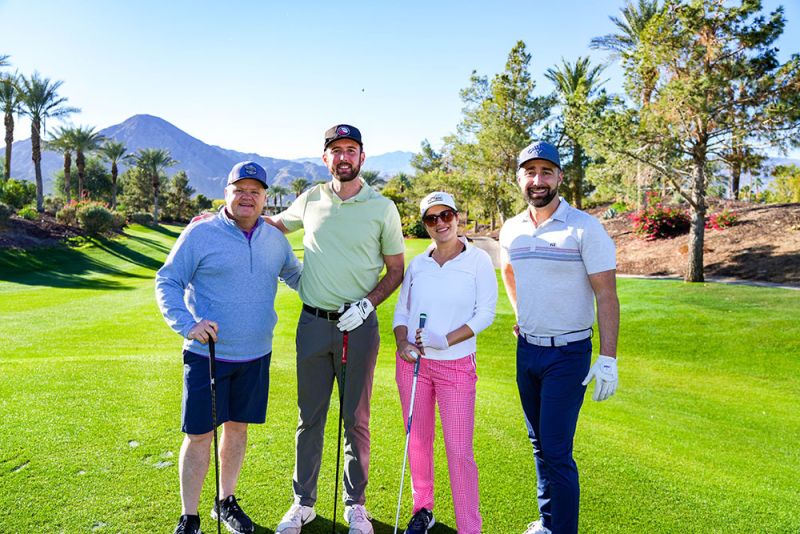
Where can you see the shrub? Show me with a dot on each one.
(5, 213)
(413, 227)
(94, 218)
(657, 221)
(18, 193)
(53, 204)
(28, 213)
(68, 214)
(722, 219)
(610, 213)
(118, 221)
(141, 217)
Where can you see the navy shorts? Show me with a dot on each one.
(242, 390)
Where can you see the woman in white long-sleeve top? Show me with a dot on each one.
(455, 286)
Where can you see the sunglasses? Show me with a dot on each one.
(446, 216)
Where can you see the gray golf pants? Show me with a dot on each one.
(319, 356)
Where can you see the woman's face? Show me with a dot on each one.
(441, 222)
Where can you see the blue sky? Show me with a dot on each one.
(269, 77)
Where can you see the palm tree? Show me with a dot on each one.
(299, 185)
(40, 101)
(623, 45)
(4, 60)
(84, 140)
(278, 191)
(372, 178)
(576, 85)
(115, 152)
(11, 104)
(62, 142)
(153, 161)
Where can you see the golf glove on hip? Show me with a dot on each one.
(354, 316)
(604, 371)
(433, 340)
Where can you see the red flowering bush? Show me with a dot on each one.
(657, 221)
(722, 219)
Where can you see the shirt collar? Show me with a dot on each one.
(559, 215)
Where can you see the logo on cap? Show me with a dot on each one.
(435, 198)
(249, 169)
(342, 130)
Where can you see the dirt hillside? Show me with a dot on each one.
(764, 245)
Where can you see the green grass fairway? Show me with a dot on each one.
(702, 435)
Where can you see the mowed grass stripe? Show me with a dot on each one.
(700, 438)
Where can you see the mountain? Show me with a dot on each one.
(388, 164)
(206, 165)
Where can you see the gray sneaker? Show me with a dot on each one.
(537, 528)
(359, 519)
(294, 519)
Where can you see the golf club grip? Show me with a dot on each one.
(345, 339)
(212, 362)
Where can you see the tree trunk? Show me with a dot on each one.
(694, 271)
(68, 176)
(36, 156)
(114, 172)
(156, 191)
(9, 122)
(736, 173)
(577, 179)
(80, 162)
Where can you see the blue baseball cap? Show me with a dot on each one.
(248, 170)
(539, 150)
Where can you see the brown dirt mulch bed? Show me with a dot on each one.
(43, 232)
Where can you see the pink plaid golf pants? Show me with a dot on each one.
(451, 384)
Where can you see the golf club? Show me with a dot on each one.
(212, 369)
(339, 443)
(422, 318)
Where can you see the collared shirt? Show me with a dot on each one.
(344, 243)
(552, 263)
(462, 291)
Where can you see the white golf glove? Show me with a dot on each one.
(604, 371)
(355, 315)
(433, 340)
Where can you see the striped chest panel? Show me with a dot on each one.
(549, 252)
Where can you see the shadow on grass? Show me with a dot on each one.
(123, 252)
(322, 525)
(150, 243)
(165, 231)
(59, 267)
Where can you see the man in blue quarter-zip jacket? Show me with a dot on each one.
(219, 282)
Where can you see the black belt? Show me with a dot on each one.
(329, 315)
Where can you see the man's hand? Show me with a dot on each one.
(427, 338)
(604, 371)
(355, 315)
(203, 330)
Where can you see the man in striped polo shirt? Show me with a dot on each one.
(557, 261)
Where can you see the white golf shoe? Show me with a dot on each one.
(359, 519)
(537, 528)
(293, 520)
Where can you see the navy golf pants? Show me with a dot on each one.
(549, 381)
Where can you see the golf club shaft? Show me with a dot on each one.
(422, 318)
(345, 339)
(212, 370)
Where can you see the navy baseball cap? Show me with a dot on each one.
(539, 150)
(248, 169)
(342, 131)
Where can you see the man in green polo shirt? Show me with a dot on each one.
(351, 233)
